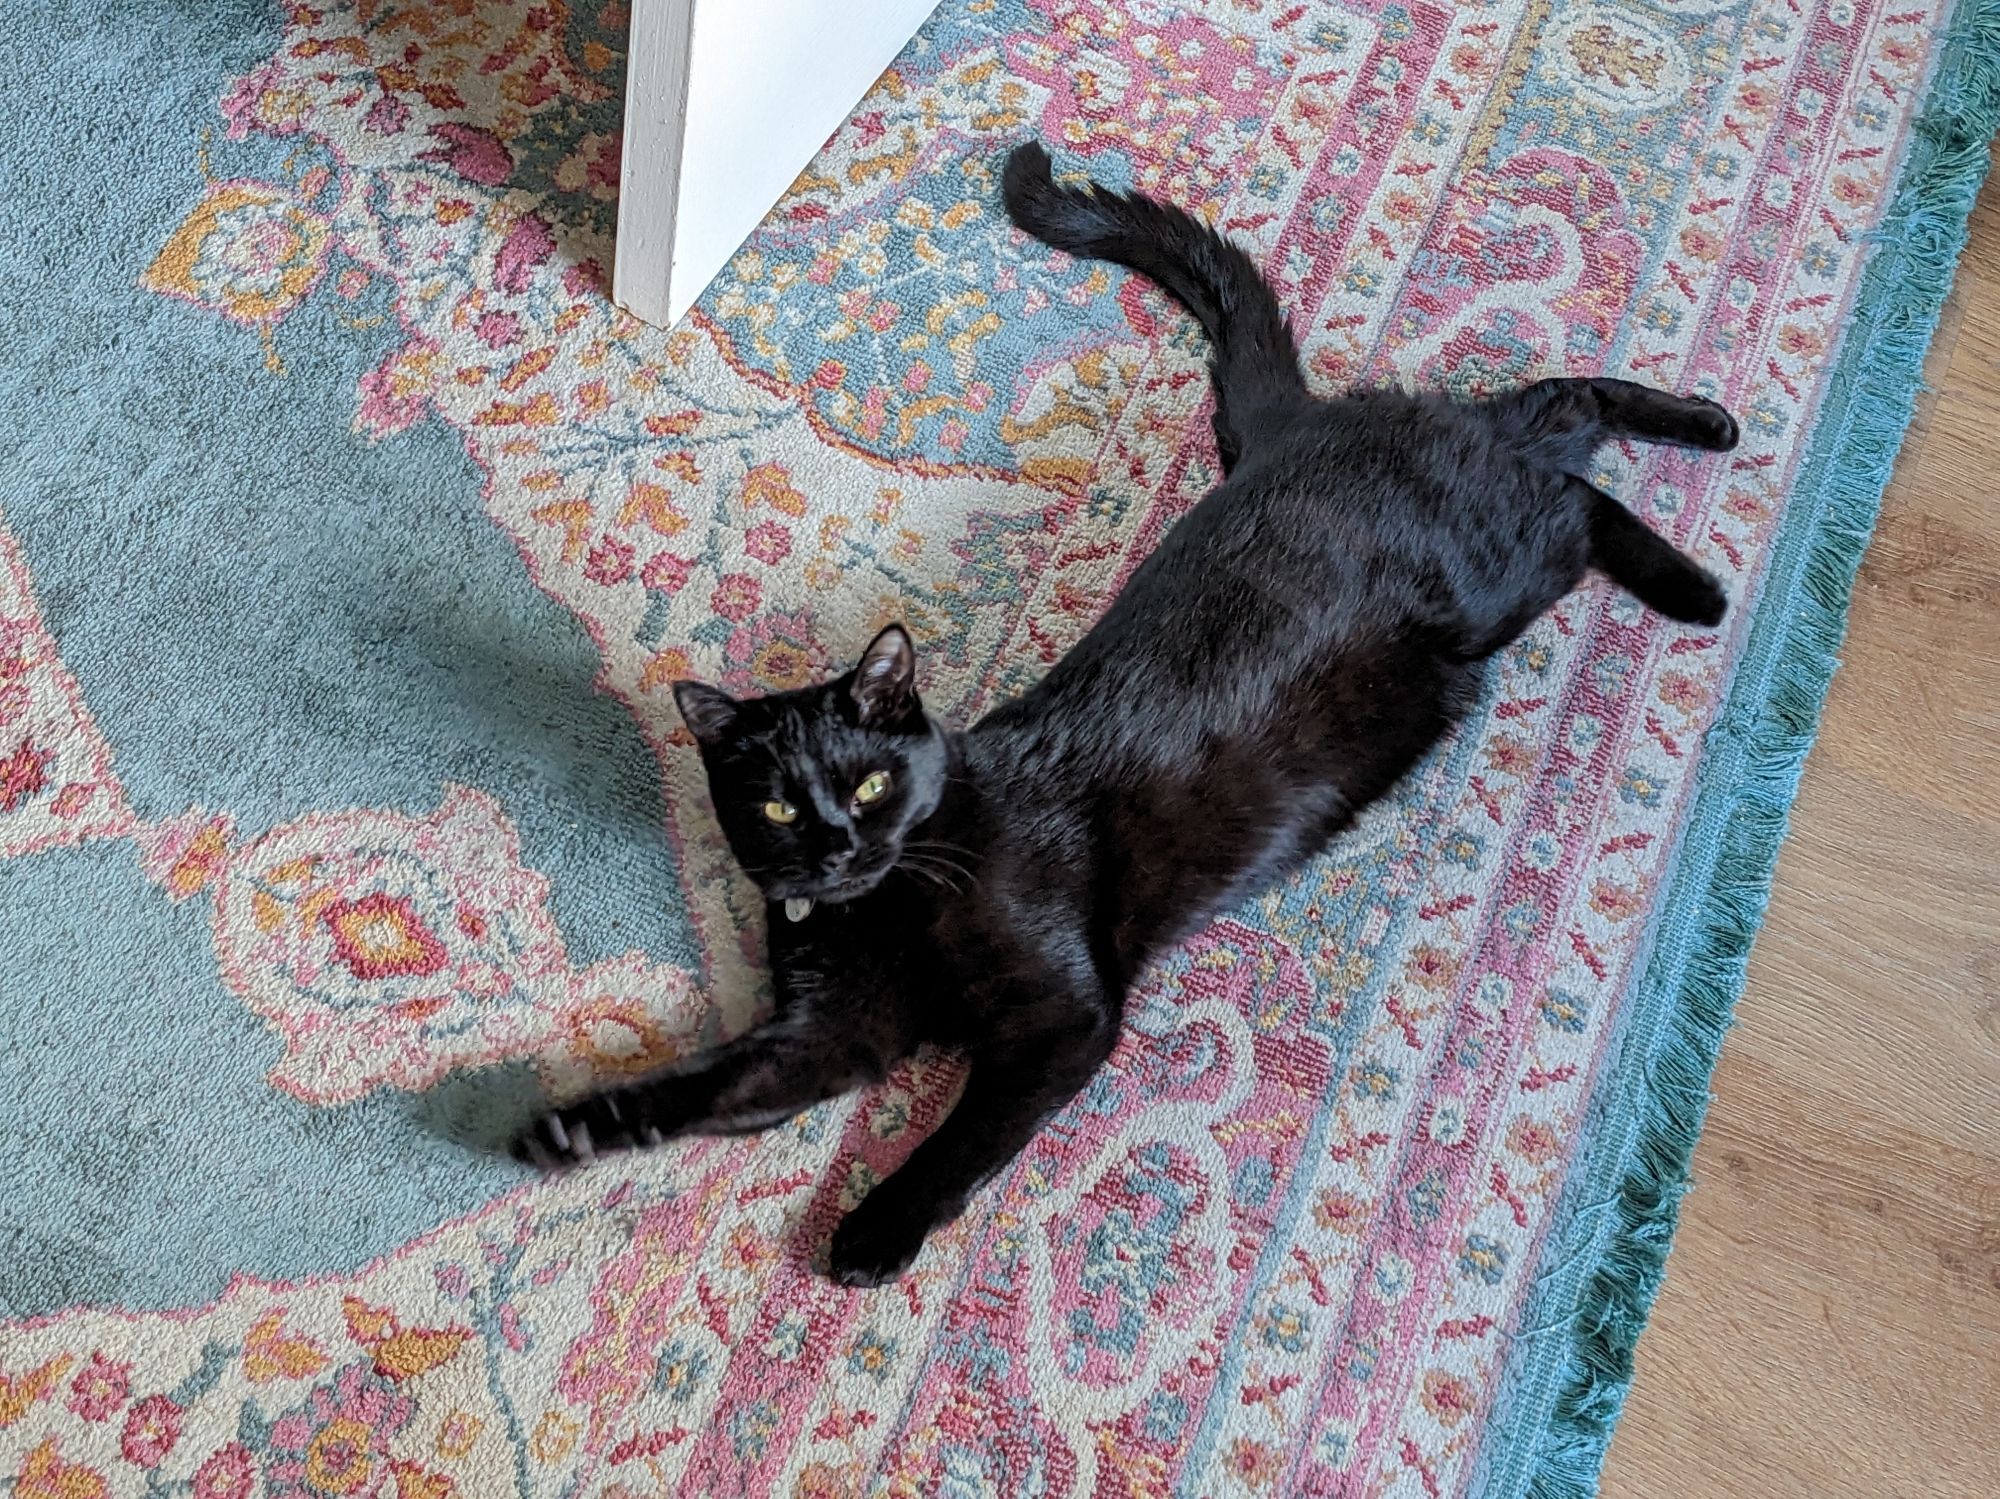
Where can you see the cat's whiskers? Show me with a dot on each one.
(932, 876)
(940, 845)
(936, 867)
(920, 859)
(939, 874)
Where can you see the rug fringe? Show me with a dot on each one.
(1908, 277)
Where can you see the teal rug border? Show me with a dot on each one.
(1755, 755)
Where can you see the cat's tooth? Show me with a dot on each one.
(797, 909)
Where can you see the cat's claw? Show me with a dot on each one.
(551, 1144)
(872, 1249)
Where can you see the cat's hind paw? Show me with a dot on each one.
(872, 1249)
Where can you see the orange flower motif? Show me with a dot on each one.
(1533, 1141)
(782, 666)
(771, 484)
(1254, 1463)
(1472, 61)
(1744, 505)
(616, 1036)
(1702, 244)
(1680, 690)
(1617, 902)
(1403, 208)
(1447, 1397)
(824, 1481)
(1341, 1212)
(1432, 967)
(1800, 343)
(669, 665)
(1510, 756)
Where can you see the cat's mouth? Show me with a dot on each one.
(799, 906)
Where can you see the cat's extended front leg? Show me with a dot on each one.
(1007, 1098)
(751, 1083)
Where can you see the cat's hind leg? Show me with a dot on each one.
(1628, 409)
(1646, 564)
(758, 1080)
(1559, 423)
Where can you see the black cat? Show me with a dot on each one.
(1296, 643)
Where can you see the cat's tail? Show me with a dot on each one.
(1256, 362)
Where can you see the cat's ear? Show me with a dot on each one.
(885, 682)
(709, 711)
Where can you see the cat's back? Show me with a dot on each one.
(1343, 539)
(1276, 664)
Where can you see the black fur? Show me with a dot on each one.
(1297, 642)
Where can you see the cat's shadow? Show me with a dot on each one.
(527, 690)
(542, 689)
(483, 1110)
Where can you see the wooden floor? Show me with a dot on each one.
(1831, 1320)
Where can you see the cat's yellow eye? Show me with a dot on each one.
(873, 789)
(781, 812)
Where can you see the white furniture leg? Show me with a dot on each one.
(726, 102)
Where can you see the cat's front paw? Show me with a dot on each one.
(873, 1248)
(579, 1133)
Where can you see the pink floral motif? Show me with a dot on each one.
(498, 329)
(667, 572)
(736, 596)
(99, 1388)
(769, 542)
(338, 1442)
(476, 155)
(227, 1473)
(522, 252)
(609, 562)
(387, 116)
(152, 1427)
(775, 652)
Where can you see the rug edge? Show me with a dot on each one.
(1904, 288)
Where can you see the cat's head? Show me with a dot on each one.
(817, 789)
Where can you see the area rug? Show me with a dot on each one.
(351, 538)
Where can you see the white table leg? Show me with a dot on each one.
(726, 102)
